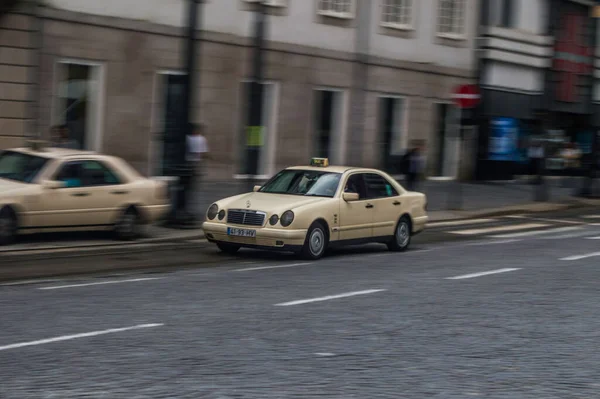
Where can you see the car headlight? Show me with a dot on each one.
(287, 218)
(212, 211)
(273, 220)
(222, 214)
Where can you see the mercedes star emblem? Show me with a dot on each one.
(248, 204)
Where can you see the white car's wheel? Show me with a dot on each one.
(315, 243)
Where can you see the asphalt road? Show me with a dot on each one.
(498, 308)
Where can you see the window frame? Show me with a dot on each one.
(337, 14)
(396, 25)
(454, 35)
(62, 166)
(370, 196)
(361, 175)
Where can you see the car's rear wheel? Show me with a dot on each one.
(316, 242)
(8, 226)
(228, 248)
(129, 225)
(402, 236)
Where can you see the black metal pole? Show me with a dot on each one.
(254, 127)
(185, 172)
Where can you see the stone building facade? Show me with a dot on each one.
(356, 84)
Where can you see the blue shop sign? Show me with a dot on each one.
(503, 144)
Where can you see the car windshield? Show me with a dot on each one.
(303, 182)
(20, 167)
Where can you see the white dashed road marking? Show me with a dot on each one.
(327, 298)
(135, 280)
(492, 242)
(481, 274)
(500, 229)
(579, 257)
(76, 336)
(538, 232)
(459, 222)
(249, 269)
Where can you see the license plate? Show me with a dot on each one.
(241, 232)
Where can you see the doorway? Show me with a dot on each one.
(268, 139)
(173, 112)
(79, 103)
(392, 132)
(329, 125)
(446, 149)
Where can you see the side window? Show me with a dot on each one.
(379, 187)
(97, 174)
(356, 184)
(70, 173)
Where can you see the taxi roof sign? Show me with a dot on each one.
(322, 162)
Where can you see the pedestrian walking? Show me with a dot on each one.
(197, 154)
(413, 166)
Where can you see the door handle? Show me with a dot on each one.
(119, 192)
(397, 203)
(80, 194)
(369, 206)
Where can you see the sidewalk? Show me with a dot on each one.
(478, 200)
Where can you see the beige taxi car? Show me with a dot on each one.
(307, 209)
(49, 189)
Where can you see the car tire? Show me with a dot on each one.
(315, 243)
(402, 236)
(229, 249)
(129, 225)
(8, 226)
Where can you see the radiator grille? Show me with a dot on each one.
(245, 217)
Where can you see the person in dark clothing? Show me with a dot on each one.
(413, 166)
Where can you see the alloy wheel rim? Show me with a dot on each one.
(403, 234)
(317, 242)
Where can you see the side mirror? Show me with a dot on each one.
(350, 197)
(53, 184)
(256, 188)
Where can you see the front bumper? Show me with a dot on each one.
(266, 238)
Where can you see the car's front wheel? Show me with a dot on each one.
(228, 248)
(315, 243)
(402, 236)
(8, 226)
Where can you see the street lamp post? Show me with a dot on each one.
(183, 170)
(254, 126)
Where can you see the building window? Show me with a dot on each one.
(451, 18)
(397, 14)
(336, 8)
(78, 103)
(508, 19)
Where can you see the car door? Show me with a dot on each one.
(386, 202)
(356, 217)
(63, 207)
(106, 192)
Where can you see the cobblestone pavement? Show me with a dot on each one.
(428, 323)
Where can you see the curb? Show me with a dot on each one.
(165, 243)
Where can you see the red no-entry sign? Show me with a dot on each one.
(466, 96)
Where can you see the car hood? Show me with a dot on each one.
(270, 203)
(10, 186)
